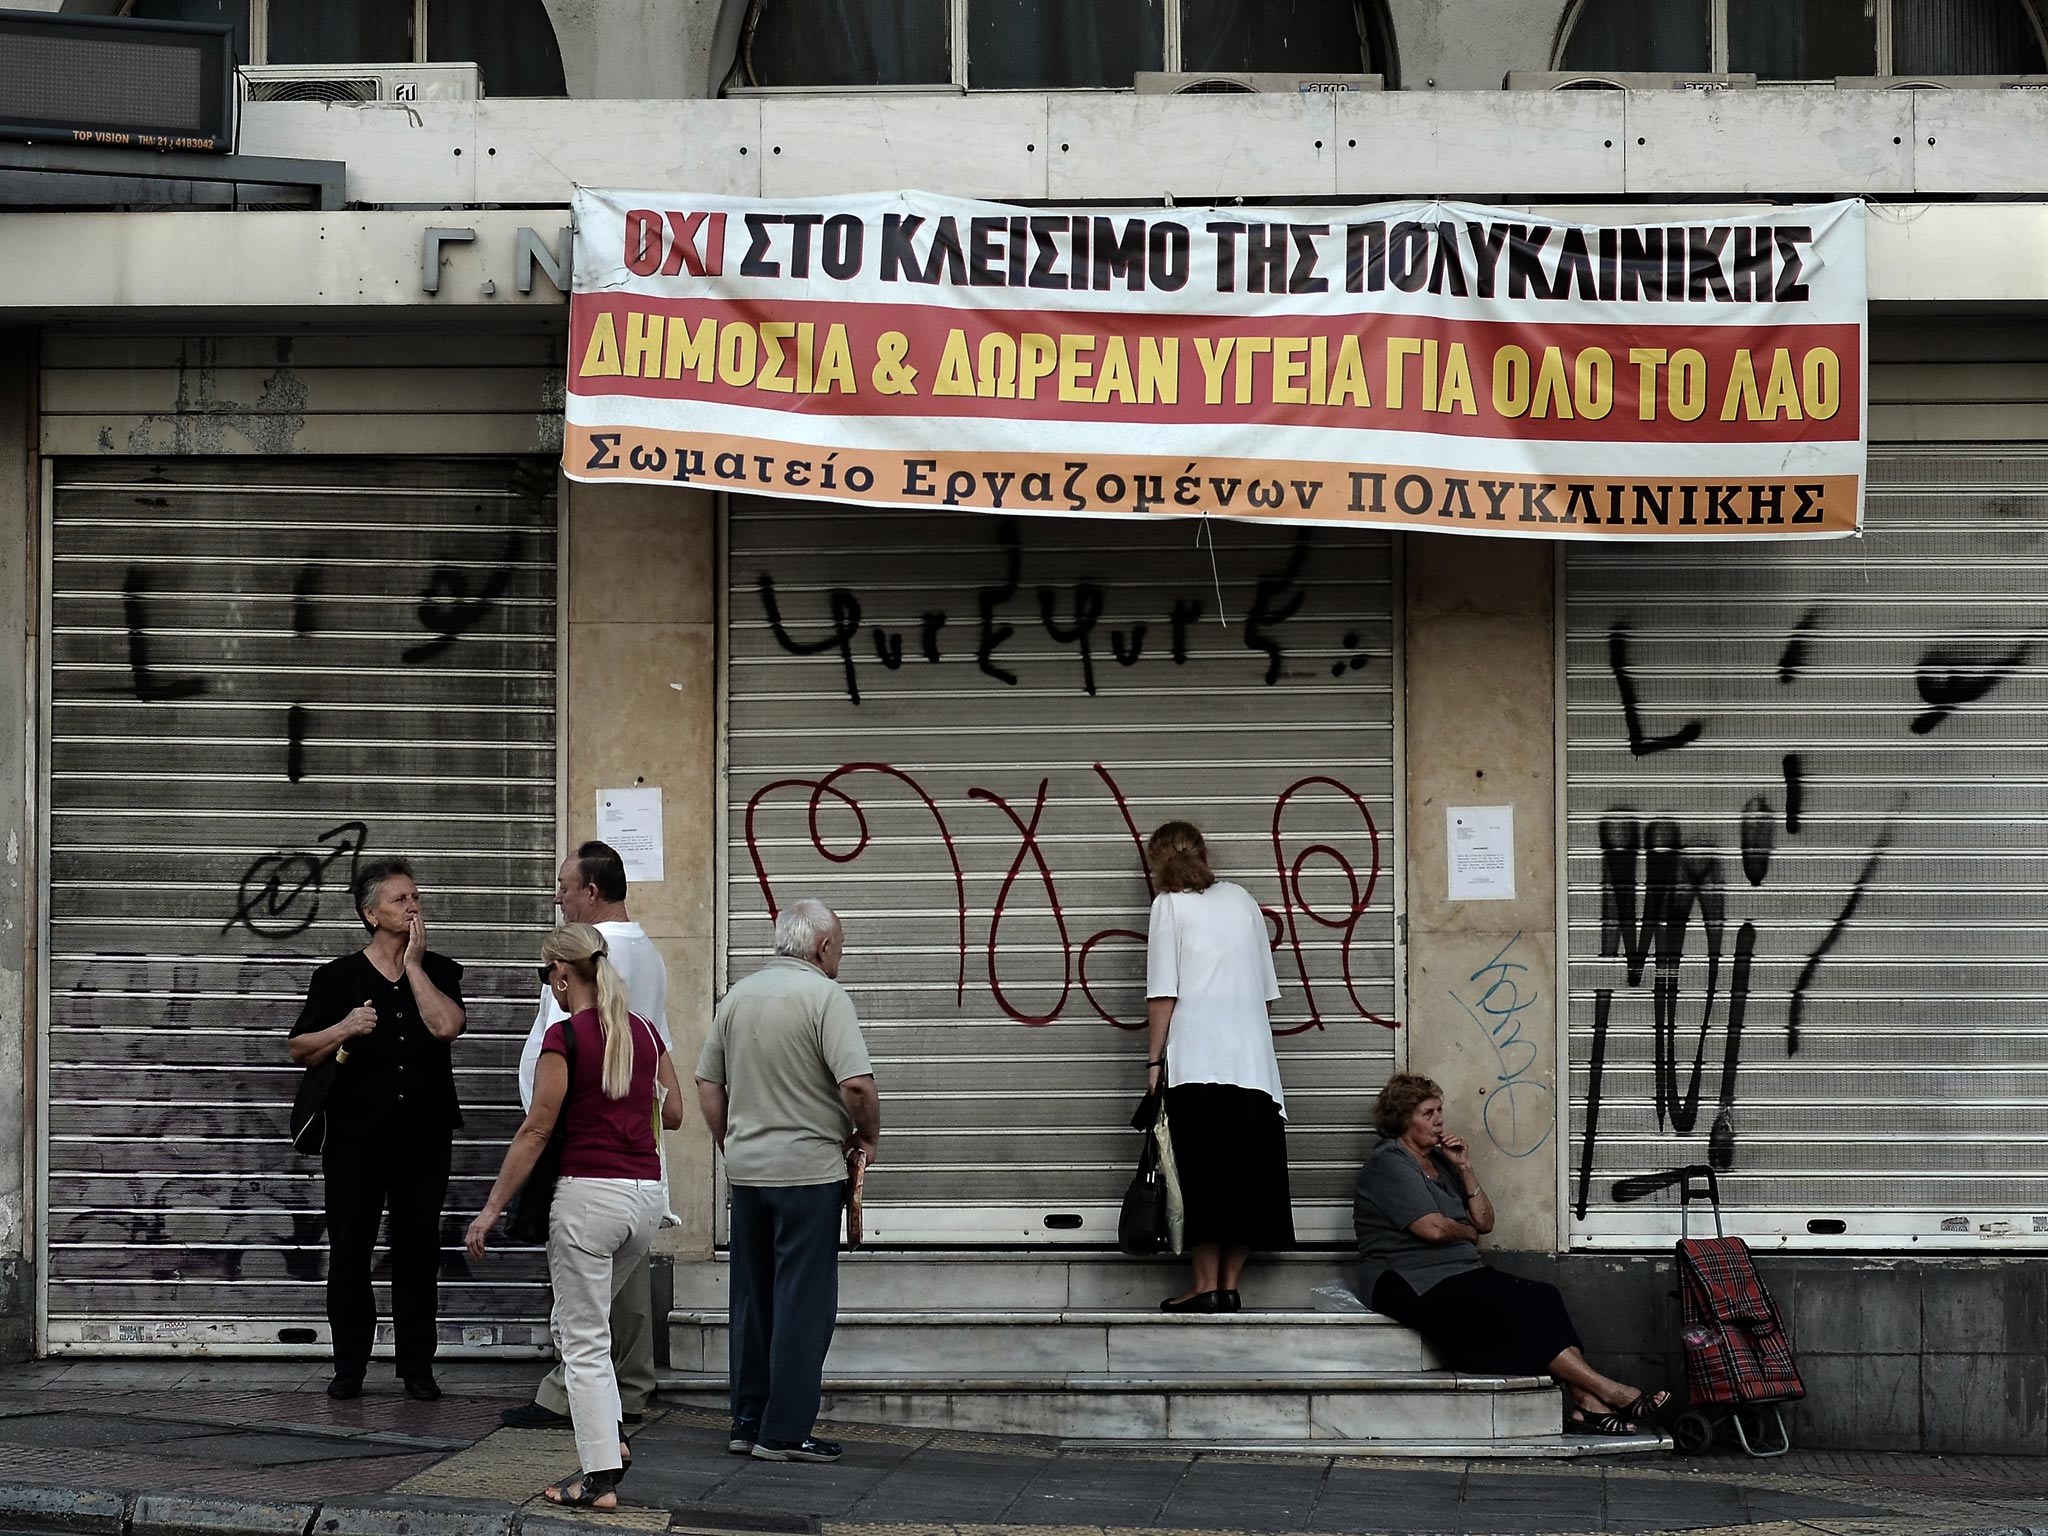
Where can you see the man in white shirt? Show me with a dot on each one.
(590, 887)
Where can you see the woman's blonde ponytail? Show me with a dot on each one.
(615, 1015)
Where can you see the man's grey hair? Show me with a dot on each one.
(802, 928)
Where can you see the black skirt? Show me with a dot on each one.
(1483, 1321)
(1230, 1149)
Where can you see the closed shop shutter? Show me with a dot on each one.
(956, 728)
(261, 670)
(1807, 854)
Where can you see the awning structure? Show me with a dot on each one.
(1435, 366)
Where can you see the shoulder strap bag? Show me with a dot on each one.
(1141, 1228)
(309, 1106)
(526, 1218)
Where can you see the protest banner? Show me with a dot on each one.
(1435, 366)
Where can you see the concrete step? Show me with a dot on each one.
(1033, 1279)
(1410, 1408)
(1507, 1447)
(1074, 1348)
(1014, 1342)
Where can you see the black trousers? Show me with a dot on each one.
(401, 1168)
(785, 1302)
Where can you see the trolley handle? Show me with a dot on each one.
(1698, 1172)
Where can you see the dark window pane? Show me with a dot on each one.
(511, 40)
(1045, 45)
(1964, 37)
(848, 42)
(1275, 35)
(340, 32)
(1621, 35)
(1802, 39)
(234, 12)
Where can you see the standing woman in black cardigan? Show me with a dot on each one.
(388, 1014)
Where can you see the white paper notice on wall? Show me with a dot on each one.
(1481, 839)
(630, 820)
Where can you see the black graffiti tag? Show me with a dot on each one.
(148, 686)
(1277, 599)
(845, 625)
(449, 610)
(1631, 707)
(1949, 678)
(281, 891)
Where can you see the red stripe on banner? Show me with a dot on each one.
(1528, 381)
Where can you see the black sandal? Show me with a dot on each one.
(582, 1490)
(1650, 1408)
(1609, 1423)
(625, 1457)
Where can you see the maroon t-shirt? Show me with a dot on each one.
(608, 1138)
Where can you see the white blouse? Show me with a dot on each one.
(1209, 951)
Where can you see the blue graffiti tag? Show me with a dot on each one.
(1518, 1112)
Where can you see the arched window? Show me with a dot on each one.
(511, 41)
(1048, 44)
(1793, 40)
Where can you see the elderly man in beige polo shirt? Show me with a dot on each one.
(786, 1088)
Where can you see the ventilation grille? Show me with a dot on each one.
(330, 88)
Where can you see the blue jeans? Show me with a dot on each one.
(785, 1301)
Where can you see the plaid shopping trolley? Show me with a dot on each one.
(1739, 1369)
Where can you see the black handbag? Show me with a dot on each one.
(1142, 1228)
(309, 1108)
(526, 1218)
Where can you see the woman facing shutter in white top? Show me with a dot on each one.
(1209, 976)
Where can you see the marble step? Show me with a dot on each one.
(1023, 1342)
(994, 1280)
(1507, 1447)
(1408, 1408)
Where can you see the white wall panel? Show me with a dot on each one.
(1808, 140)
(1469, 144)
(977, 146)
(1193, 149)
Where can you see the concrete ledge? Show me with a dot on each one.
(68, 1509)
(180, 1514)
(687, 1384)
(400, 1515)
(29, 1508)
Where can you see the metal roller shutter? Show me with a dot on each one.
(955, 729)
(259, 669)
(1824, 766)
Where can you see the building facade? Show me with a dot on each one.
(291, 576)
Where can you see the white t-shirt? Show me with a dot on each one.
(1209, 951)
(638, 963)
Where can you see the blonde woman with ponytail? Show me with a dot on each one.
(609, 1199)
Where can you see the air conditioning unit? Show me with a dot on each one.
(1624, 80)
(362, 82)
(1941, 82)
(1225, 83)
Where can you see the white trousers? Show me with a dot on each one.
(598, 1229)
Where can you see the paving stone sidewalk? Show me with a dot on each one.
(255, 1448)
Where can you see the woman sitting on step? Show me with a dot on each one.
(1419, 1212)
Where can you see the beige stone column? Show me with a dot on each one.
(1481, 723)
(641, 709)
(20, 548)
